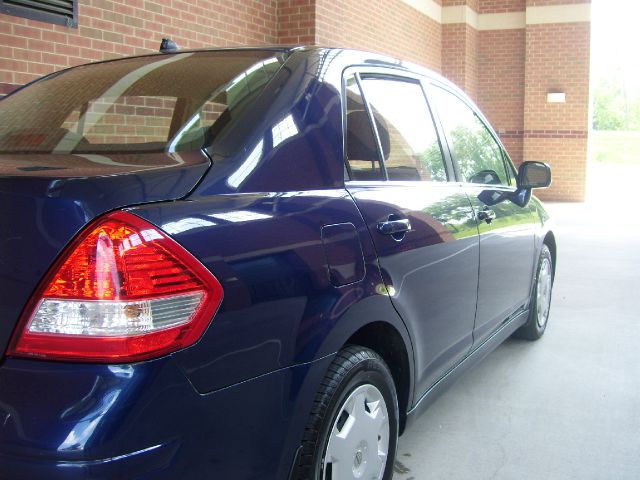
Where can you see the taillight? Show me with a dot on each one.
(122, 291)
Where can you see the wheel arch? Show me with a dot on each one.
(372, 322)
(550, 241)
(384, 339)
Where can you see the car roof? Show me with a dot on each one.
(365, 57)
(351, 57)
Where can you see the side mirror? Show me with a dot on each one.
(534, 175)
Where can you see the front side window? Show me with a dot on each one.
(476, 152)
(143, 104)
(409, 141)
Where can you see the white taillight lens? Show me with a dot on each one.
(109, 318)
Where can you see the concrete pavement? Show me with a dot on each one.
(567, 406)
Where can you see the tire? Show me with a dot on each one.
(356, 392)
(540, 303)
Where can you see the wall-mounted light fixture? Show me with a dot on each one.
(556, 97)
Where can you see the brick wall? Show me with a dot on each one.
(111, 28)
(508, 70)
(558, 60)
(502, 6)
(473, 4)
(490, 66)
(296, 22)
(386, 26)
(501, 75)
(516, 68)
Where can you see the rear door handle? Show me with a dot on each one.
(487, 215)
(394, 227)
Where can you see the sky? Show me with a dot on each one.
(615, 41)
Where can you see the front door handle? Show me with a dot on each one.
(394, 227)
(487, 215)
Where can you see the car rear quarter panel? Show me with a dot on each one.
(280, 307)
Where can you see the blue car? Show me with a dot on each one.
(257, 263)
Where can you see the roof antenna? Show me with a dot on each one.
(168, 46)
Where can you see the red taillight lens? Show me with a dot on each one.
(121, 292)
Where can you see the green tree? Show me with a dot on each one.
(616, 106)
(609, 106)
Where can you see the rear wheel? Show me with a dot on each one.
(353, 428)
(540, 304)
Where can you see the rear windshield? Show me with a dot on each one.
(146, 104)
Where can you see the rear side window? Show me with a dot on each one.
(363, 159)
(409, 141)
(145, 104)
(476, 152)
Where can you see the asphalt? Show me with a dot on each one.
(568, 405)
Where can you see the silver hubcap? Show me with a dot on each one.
(359, 441)
(543, 300)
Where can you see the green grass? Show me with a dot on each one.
(615, 147)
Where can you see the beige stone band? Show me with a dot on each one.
(574, 13)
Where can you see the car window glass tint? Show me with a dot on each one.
(362, 155)
(407, 134)
(152, 103)
(476, 152)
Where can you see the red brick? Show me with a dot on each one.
(508, 72)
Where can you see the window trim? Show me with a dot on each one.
(512, 171)
(374, 128)
(347, 166)
(39, 15)
(392, 74)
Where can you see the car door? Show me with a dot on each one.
(422, 225)
(506, 229)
